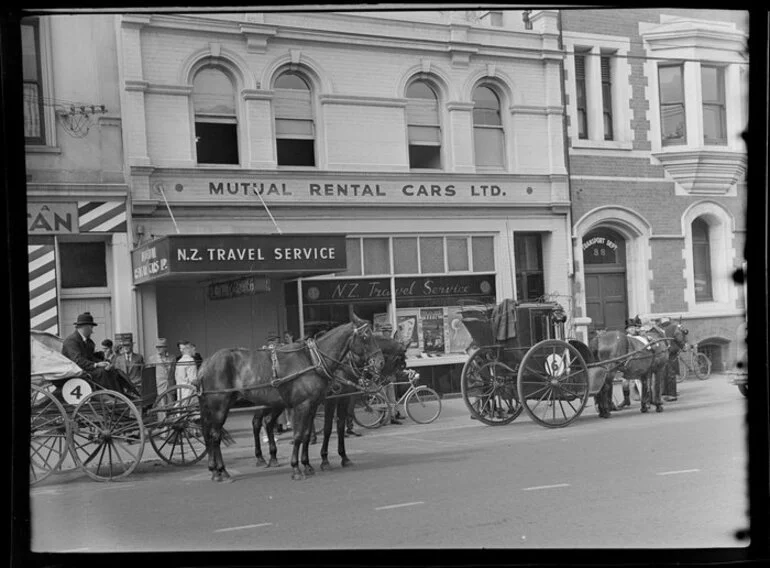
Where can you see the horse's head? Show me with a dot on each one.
(363, 347)
(678, 333)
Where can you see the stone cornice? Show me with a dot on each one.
(79, 191)
(135, 20)
(136, 85)
(531, 109)
(179, 90)
(704, 172)
(256, 95)
(362, 101)
(460, 106)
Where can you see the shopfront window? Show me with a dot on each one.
(528, 251)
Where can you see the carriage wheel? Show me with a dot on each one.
(702, 366)
(423, 405)
(489, 389)
(371, 410)
(553, 383)
(176, 434)
(107, 435)
(49, 435)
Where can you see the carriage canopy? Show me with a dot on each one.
(47, 362)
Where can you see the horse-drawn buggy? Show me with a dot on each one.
(76, 423)
(522, 362)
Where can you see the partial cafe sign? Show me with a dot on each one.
(52, 218)
(248, 286)
(373, 289)
(217, 254)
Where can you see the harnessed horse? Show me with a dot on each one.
(295, 376)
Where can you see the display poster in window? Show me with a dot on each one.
(432, 323)
(458, 337)
(406, 320)
(381, 324)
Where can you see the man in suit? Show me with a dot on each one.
(128, 362)
(79, 348)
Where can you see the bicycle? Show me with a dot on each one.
(693, 361)
(420, 402)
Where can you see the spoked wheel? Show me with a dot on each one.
(489, 389)
(49, 434)
(371, 410)
(107, 435)
(702, 366)
(553, 383)
(423, 405)
(176, 433)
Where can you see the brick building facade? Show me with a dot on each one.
(656, 102)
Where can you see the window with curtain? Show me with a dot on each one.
(488, 135)
(606, 97)
(294, 125)
(672, 118)
(580, 88)
(32, 82)
(713, 93)
(423, 125)
(83, 265)
(528, 255)
(701, 257)
(216, 123)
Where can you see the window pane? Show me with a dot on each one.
(29, 53)
(83, 265)
(527, 250)
(420, 90)
(486, 107)
(294, 152)
(376, 256)
(216, 143)
(489, 146)
(483, 254)
(670, 84)
(288, 128)
(431, 254)
(457, 253)
(713, 123)
(425, 157)
(710, 81)
(427, 134)
(292, 104)
(291, 81)
(673, 124)
(353, 253)
(422, 112)
(405, 255)
(213, 92)
(701, 272)
(31, 111)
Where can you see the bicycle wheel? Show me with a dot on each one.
(702, 366)
(371, 410)
(423, 405)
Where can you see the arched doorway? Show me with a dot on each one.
(604, 262)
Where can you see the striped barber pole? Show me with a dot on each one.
(102, 216)
(43, 310)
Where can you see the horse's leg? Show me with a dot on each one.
(218, 408)
(604, 398)
(329, 412)
(645, 396)
(298, 431)
(656, 387)
(256, 426)
(343, 409)
(307, 426)
(270, 429)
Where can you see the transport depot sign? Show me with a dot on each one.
(238, 254)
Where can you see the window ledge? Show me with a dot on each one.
(602, 144)
(42, 149)
(298, 168)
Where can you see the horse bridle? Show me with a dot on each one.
(319, 356)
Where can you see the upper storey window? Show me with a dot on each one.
(672, 111)
(423, 123)
(216, 123)
(34, 130)
(294, 126)
(488, 136)
(713, 88)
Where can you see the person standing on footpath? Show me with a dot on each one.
(128, 362)
(162, 360)
(185, 367)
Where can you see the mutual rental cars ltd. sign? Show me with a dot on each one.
(238, 254)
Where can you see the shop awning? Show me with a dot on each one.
(219, 255)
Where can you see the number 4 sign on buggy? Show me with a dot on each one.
(74, 390)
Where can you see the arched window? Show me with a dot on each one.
(701, 257)
(294, 126)
(216, 123)
(488, 135)
(424, 126)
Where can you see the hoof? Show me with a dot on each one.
(261, 462)
(272, 463)
(325, 466)
(604, 415)
(297, 476)
(309, 470)
(346, 462)
(659, 408)
(643, 409)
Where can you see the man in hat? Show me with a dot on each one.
(162, 361)
(80, 348)
(128, 362)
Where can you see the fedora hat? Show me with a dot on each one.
(85, 319)
(161, 342)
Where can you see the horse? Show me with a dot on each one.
(394, 353)
(647, 361)
(294, 376)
